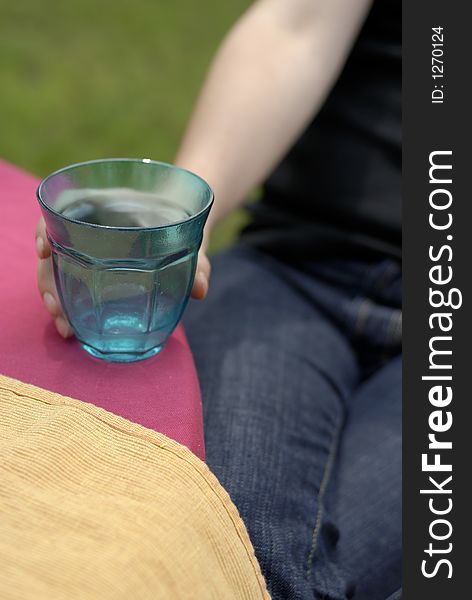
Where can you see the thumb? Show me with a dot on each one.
(202, 277)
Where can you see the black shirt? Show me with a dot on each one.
(337, 192)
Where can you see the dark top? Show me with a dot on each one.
(337, 192)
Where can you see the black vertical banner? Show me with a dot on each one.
(437, 200)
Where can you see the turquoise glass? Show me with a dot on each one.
(125, 235)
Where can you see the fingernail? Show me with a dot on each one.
(62, 327)
(50, 303)
(40, 246)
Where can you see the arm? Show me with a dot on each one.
(269, 78)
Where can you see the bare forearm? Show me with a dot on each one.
(267, 81)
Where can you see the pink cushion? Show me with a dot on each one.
(161, 393)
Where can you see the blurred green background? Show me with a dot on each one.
(85, 79)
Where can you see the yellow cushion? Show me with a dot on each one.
(95, 507)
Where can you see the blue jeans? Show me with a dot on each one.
(300, 373)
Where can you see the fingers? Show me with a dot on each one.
(202, 277)
(47, 289)
(63, 327)
(42, 245)
(46, 283)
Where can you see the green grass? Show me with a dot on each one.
(81, 79)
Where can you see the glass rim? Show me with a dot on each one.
(51, 210)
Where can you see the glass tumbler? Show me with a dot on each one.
(125, 235)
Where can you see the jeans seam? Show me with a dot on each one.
(396, 595)
(328, 468)
(361, 318)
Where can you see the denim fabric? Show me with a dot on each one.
(301, 383)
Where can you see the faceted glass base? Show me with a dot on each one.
(122, 357)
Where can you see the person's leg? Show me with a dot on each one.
(275, 374)
(366, 489)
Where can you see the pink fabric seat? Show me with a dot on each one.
(161, 393)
